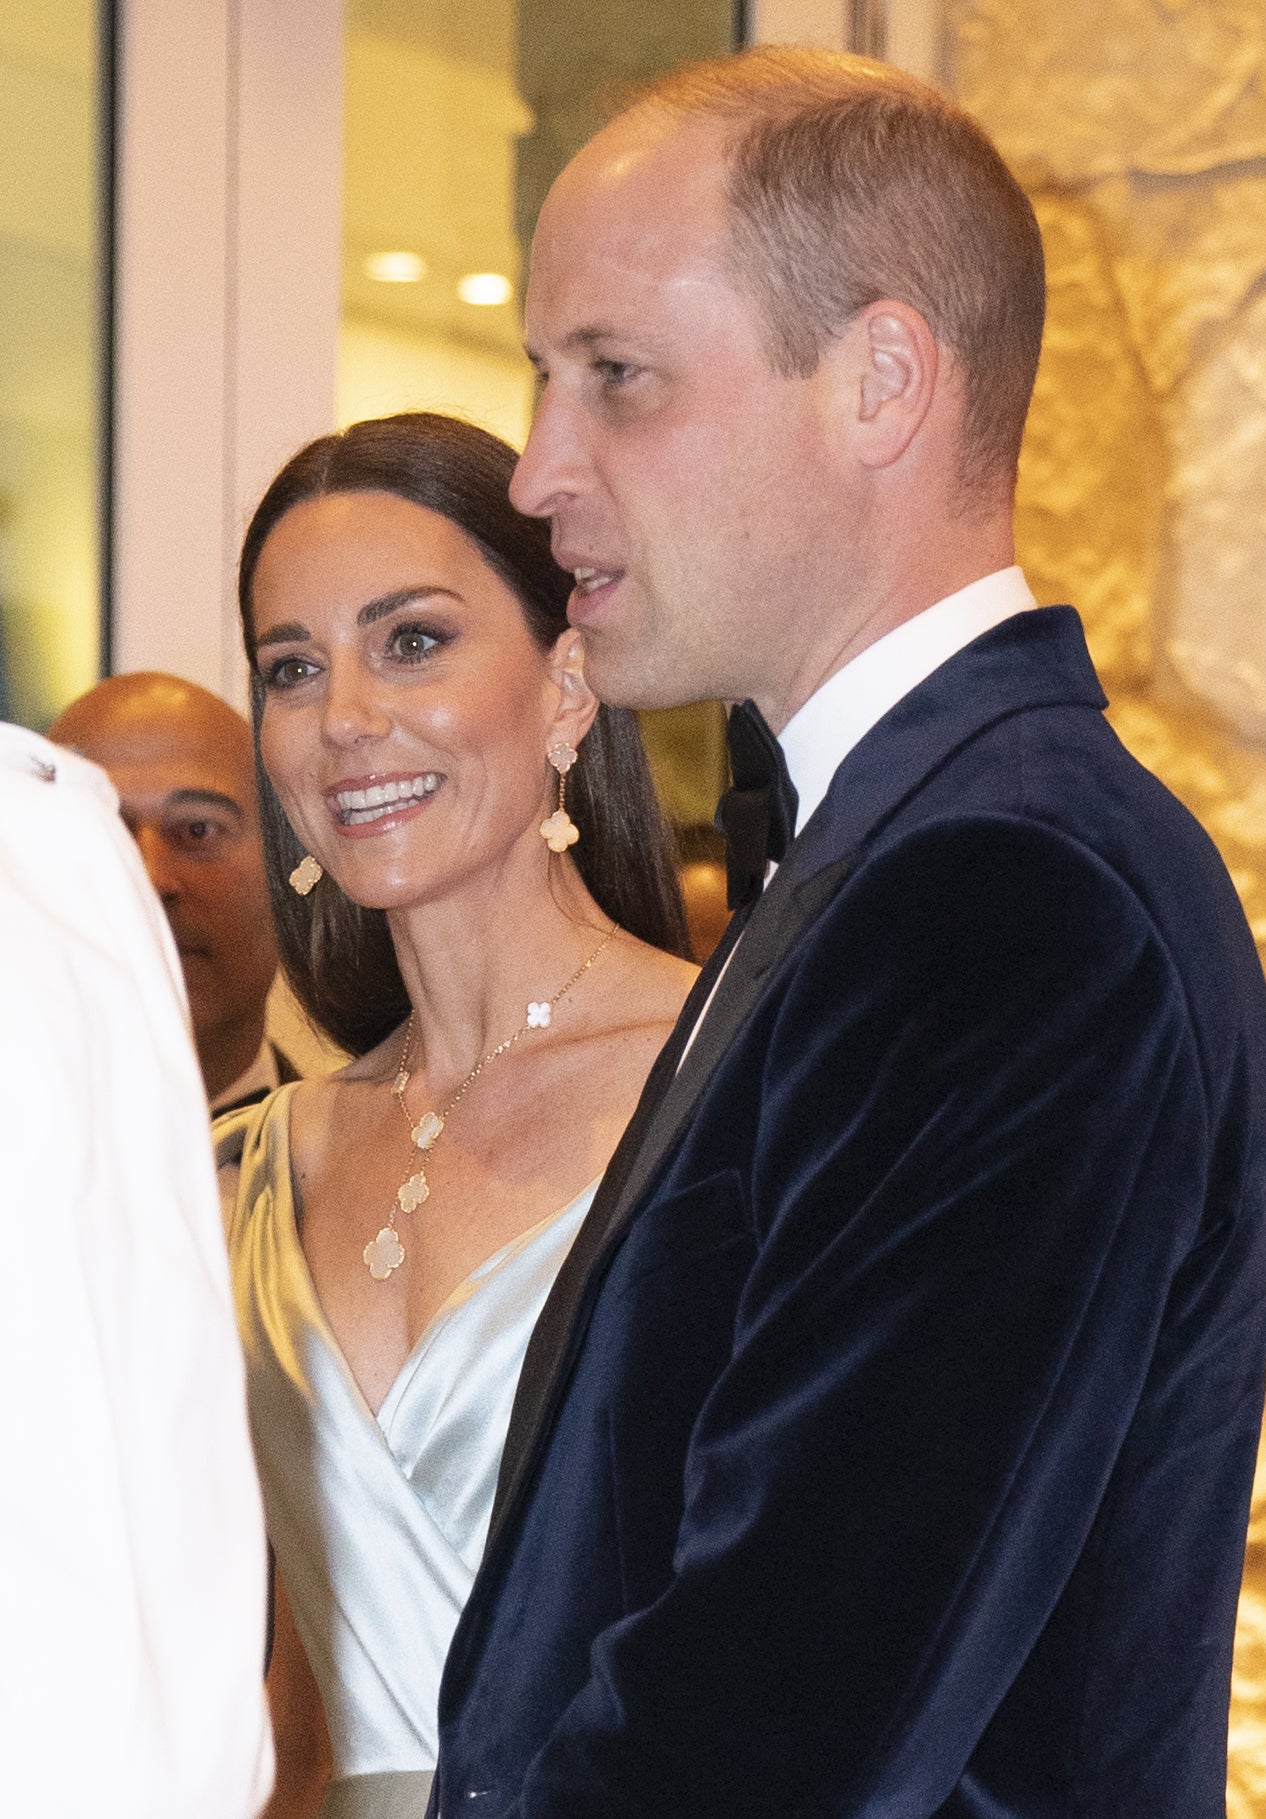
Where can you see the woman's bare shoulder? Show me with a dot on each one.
(326, 1107)
(651, 986)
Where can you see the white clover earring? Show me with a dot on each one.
(306, 875)
(560, 831)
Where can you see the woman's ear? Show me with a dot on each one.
(577, 703)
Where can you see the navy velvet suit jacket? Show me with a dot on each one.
(886, 1447)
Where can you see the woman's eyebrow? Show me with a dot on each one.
(294, 633)
(387, 603)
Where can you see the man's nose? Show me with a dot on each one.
(157, 857)
(551, 468)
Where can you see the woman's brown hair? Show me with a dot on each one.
(338, 957)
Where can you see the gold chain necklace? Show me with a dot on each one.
(385, 1253)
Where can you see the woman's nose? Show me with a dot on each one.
(354, 709)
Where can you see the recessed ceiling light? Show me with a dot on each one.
(395, 268)
(484, 288)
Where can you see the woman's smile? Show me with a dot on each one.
(379, 802)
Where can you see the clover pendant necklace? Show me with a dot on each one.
(385, 1253)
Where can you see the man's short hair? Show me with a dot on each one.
(851, 181)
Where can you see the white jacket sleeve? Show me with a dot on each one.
(132, 1556)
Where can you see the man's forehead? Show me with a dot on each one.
(642, 204)
(150, 758)
(172, 785)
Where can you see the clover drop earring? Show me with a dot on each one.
(306, 875)
(560, 831)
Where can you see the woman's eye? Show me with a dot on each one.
(411, 643)
(287, 672)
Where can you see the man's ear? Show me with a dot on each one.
(577, 703)
(894, 368)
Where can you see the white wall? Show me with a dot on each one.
(382, 370)
(229, 190)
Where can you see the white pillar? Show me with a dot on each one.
(820, 22)
(916, 37)
(227, 301)
(913, 29)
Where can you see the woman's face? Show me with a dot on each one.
(407, 709)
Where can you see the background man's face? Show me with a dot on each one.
(687, 482)
(181, 763)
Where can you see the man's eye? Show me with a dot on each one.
(615, 372)
(203, 835)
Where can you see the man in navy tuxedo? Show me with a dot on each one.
(885, 1447)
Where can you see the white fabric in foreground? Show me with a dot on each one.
(131, 1541)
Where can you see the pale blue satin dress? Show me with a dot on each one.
(378, 1523)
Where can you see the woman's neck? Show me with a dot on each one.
(472, 962)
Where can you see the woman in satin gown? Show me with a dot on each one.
(395, 1228)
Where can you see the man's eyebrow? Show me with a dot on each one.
(294, 633)
(204, 798)
(580, 340)
(589, 337)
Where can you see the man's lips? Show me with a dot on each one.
(593, 585)
(589, 580)
(371, 801)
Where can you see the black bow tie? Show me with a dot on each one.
(757, 814)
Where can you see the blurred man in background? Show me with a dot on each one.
(182, 762)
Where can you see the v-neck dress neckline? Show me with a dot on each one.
(378, 1522)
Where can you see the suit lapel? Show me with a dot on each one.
(1037, 659)
(778, 919)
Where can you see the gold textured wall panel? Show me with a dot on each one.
(1139, 129)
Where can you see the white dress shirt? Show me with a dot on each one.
(132, 1562)
(823, 732)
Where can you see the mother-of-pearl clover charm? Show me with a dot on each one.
(560, 831)
(383, 1253)
(427, 1129)
(412, 1193)
(538, 1016)
(306, 875)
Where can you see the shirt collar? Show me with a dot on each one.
(835, 718)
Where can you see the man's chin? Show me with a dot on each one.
(203, 988)
(620, 675)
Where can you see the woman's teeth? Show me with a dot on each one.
(356, 806)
